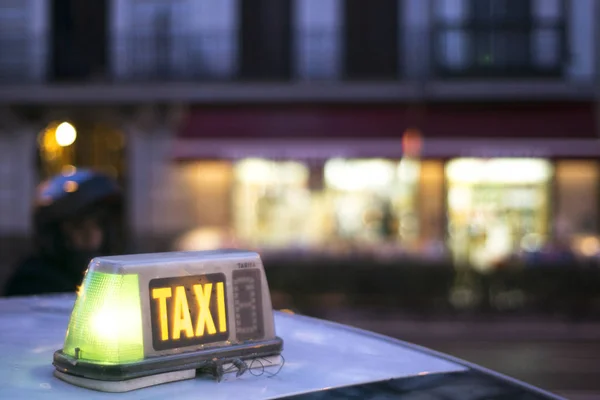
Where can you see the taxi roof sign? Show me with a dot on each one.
(146, 319)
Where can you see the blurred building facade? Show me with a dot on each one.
(406, 125)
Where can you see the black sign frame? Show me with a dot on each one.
(187, 282)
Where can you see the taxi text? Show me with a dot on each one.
(179, 321)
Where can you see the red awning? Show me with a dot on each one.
(376, 130)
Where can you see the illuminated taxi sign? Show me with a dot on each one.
(188, 311)
(147, 315)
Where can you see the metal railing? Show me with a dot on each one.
(22, 58)
(446, 52)
(501, 50)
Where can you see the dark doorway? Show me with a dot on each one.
(371, 39)
(266, 39)
(79, 40)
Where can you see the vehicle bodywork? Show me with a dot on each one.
(318, 355)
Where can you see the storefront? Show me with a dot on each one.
(482, 211)
(497, 207)
(338, 201)
(339, 177)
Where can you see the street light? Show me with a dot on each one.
(65, 134)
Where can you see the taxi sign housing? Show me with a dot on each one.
(163, 316)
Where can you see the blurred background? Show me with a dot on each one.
(424, 168)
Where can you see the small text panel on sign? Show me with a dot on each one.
(247, 300)
(188, 311)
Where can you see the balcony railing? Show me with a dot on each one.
(174, 57)
(505, 50)
(22, 59)
(215, 56)
(445, 52)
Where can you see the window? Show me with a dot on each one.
(175, 40)
(15, 42)
(500, 38)
(78, 39)
(151, 45)
(371, 39)
(497, 208)
(318, 40)
(265, 39)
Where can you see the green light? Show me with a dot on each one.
(106, 323)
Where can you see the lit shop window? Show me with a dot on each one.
(373, 200)
(359, 201)
(256, 171)
(497, 208)
(272, 203)
(351, 175)
(498, 171)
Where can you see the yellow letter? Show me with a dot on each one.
(181, 315)
(162, 294)
(204, 317)
(221, 307)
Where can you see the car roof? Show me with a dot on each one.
(318, 355)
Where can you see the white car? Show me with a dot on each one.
(54, 347)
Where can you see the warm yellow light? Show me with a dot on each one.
(70, 186)
(356, 175)
(207, 238)
(265, 172)
(589, 246)
(65, 134)
(69, 170)
(498, 170)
